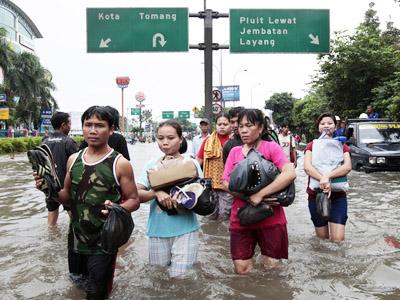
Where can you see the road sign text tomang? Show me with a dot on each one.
(137, 29)
(279, 30)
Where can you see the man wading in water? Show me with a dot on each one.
(97, 176)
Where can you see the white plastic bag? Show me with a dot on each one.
(327, 155)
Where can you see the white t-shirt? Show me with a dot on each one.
(284, 141)
(196, 144)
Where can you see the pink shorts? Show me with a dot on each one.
(272, 240)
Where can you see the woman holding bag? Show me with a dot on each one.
(173, 238)
(211, 158)
(271, 233)
(332, 227)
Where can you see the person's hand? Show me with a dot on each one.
(271, 201)
(107, 204)
(38, 180)
(165, 199)
(255, 199)
(325, 185)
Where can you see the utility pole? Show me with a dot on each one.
(208, 46)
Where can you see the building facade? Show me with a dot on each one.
(21, 31)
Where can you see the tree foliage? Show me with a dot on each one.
(27, 80)
(362, 69)
(282, 105)
(306, 111)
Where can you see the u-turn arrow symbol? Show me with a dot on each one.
(161, 38)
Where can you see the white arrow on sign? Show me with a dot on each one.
(314, 39)
(162, 40)
(104, 43)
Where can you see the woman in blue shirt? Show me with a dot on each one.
(173, 239)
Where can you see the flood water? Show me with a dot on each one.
(33, 260)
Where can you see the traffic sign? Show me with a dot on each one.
(137, 29)
(216, 108)
(167, 114)
(279, 30)
(135, 111)
(230, 92)
(184, 114)
(3, 97)
(140, 105)
(140, 97)
(216, 95)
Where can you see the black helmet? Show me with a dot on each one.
(117, 229)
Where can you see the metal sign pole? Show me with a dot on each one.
(122, 109)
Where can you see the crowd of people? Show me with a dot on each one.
(99, 173)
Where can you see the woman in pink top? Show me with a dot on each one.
(271, 233)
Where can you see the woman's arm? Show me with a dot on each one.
(286, 177)
(144, 194)
(343, 170)
(309, 168)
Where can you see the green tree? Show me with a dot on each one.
(358, 66)
(147, 116)
(306, 112)
(5, 52)
(282, 106)
(32, 83)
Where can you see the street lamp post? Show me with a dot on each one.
(251, 93)
(234, 79)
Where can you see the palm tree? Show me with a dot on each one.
(32, 84)
(5, 52)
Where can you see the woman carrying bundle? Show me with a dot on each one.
(271, 233)
(173, 238)
(331, 226)
(211, 158)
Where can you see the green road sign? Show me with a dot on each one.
(279, 30)
(167, 114)
(137, 29)
(135, 111)
(184, 114)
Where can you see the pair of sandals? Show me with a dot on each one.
(42, 162)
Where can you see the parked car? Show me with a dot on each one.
(374, 144)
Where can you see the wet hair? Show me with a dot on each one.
(101, 112)
(178, 128)
(222, 115)
(58, 119)
(115, 115)
(253, 115)
(234, 111)
(325, 115)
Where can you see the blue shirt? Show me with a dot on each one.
(373, 116)
(160, 224)
(339, 131)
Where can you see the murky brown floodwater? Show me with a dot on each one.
(33, 262)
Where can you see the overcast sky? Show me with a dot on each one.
(175, 81)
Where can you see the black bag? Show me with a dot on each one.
(254, 173)
(323, 204)
(286, 196)
(117, 229)
(250, 215)
(206, 202)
